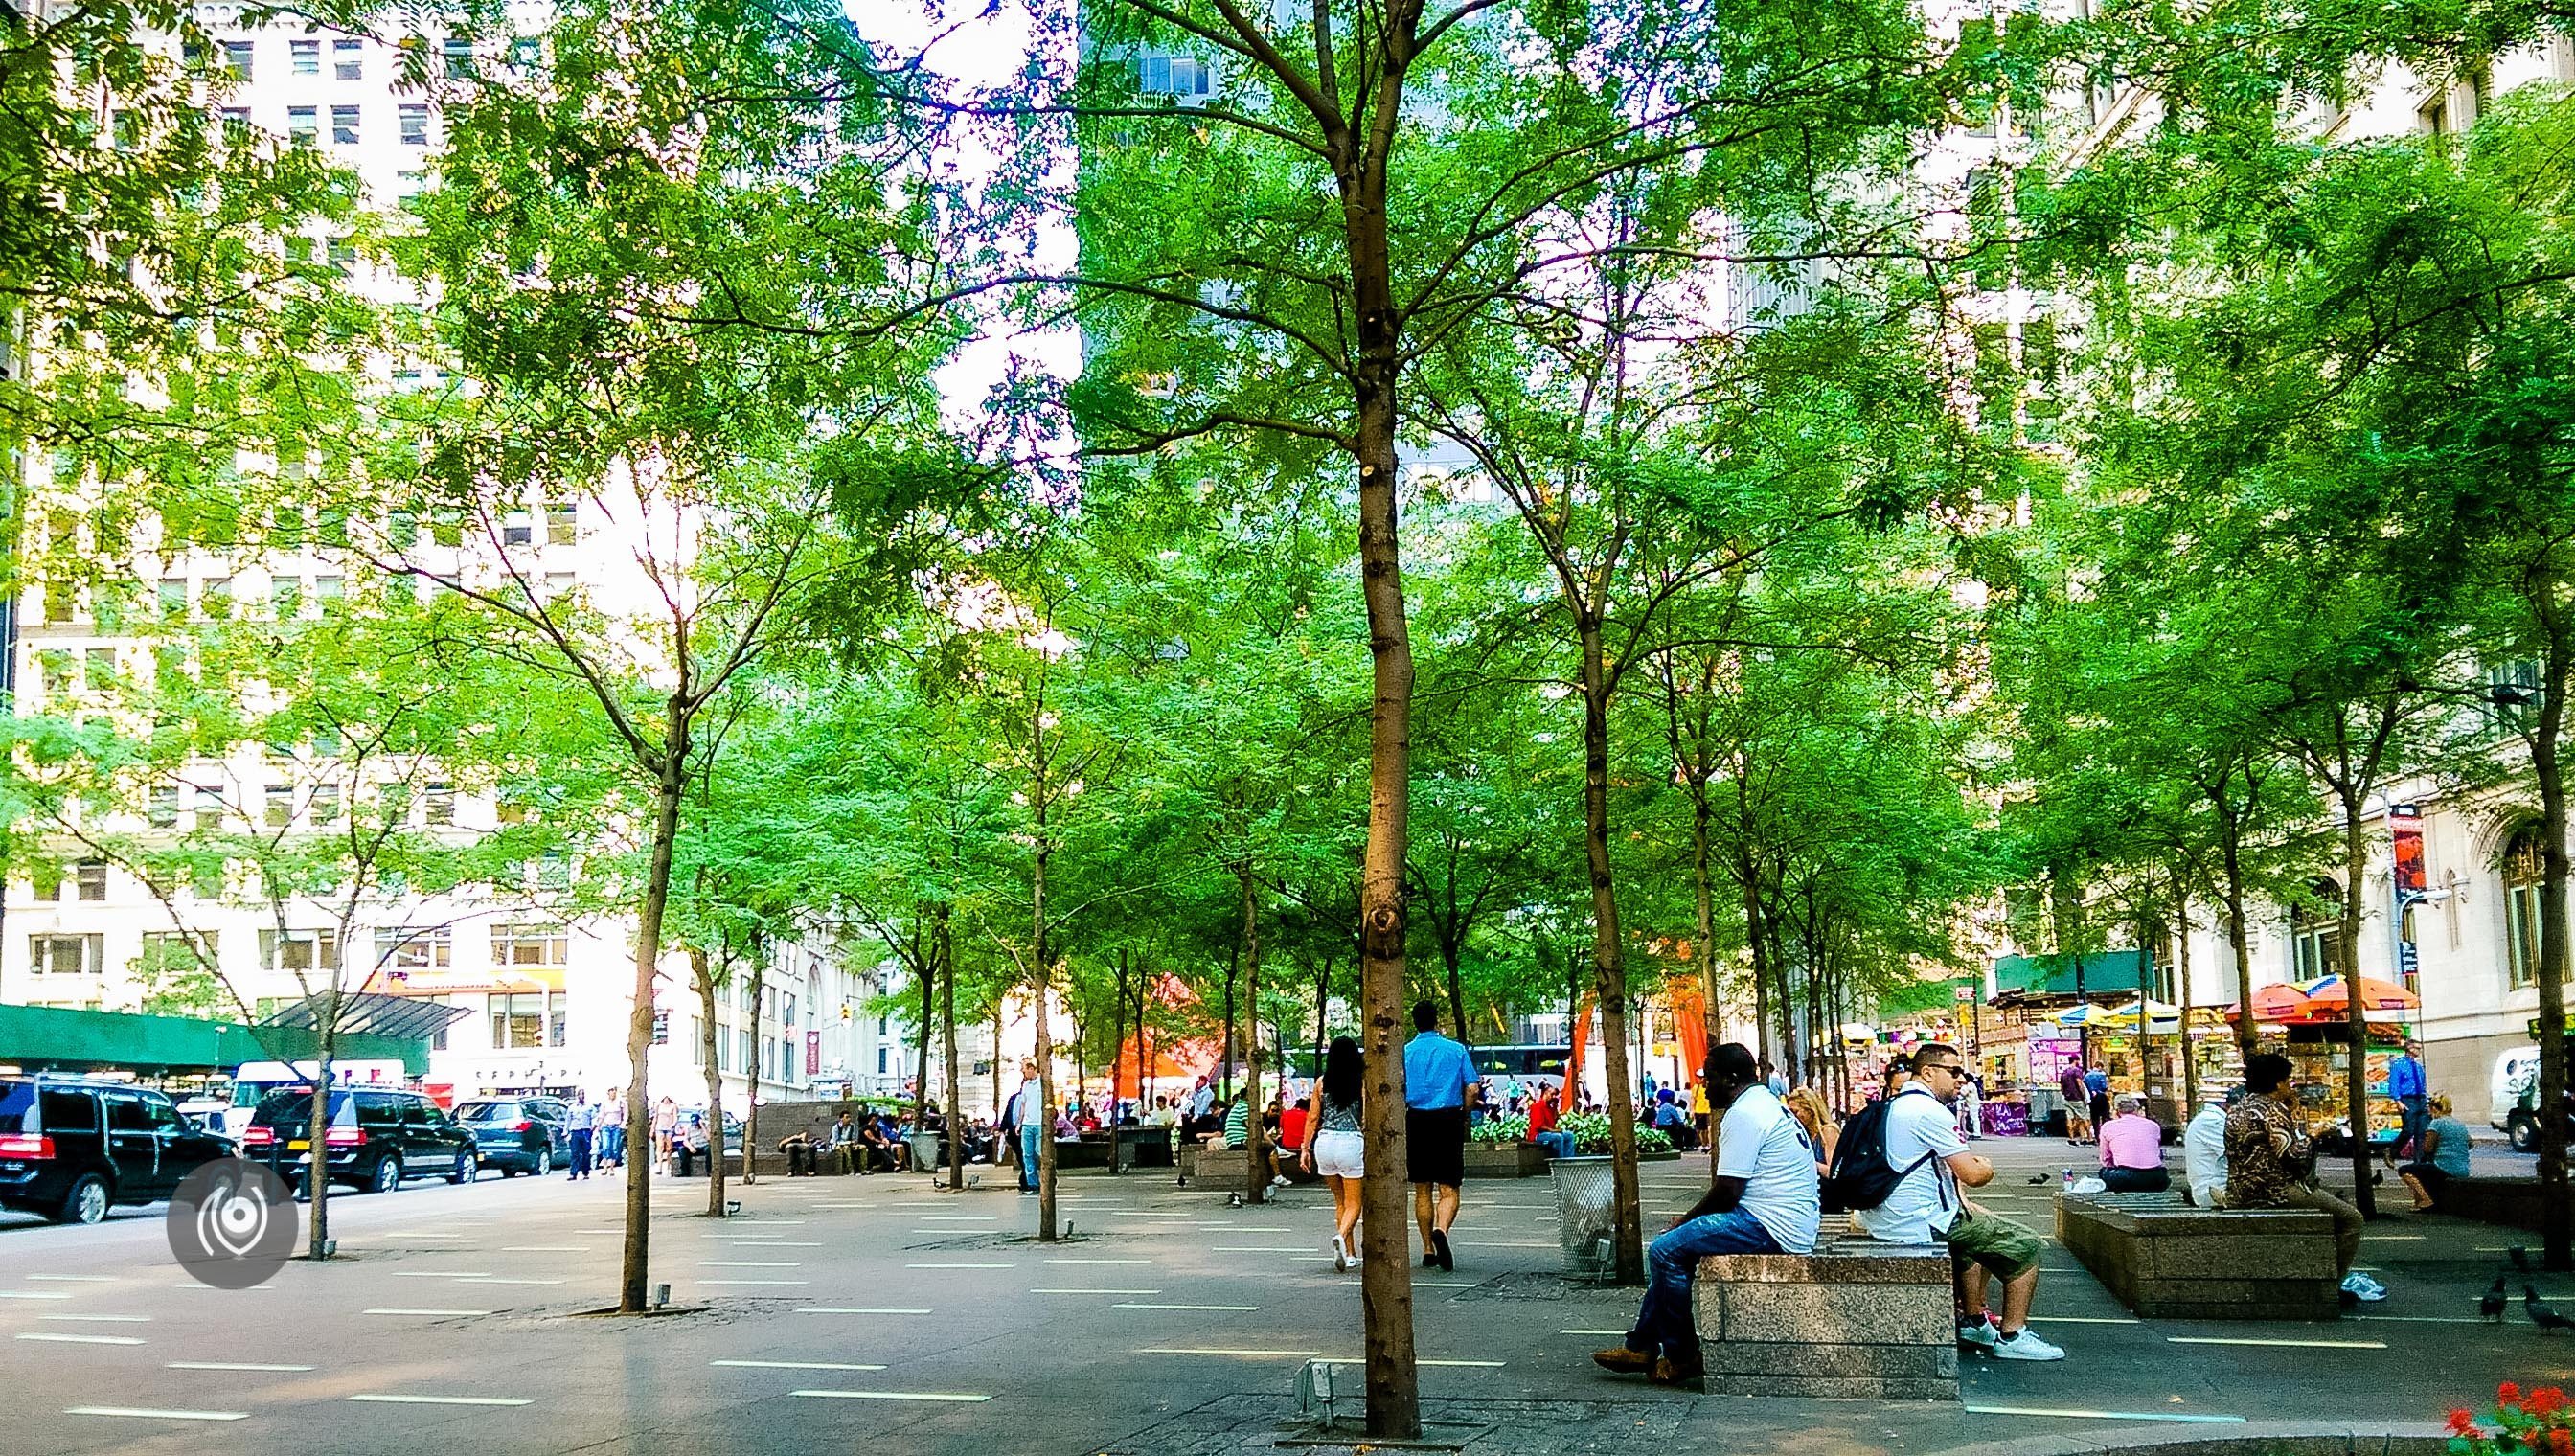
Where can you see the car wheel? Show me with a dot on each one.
(545, 1161)
(2522, 1131)
(85, 1202)
(387, 1175)
(467, 1169)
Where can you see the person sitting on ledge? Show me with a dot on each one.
(798, 1149)
(2132, 1150)
(2443, 1156)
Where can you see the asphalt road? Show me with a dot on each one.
(839, 1310)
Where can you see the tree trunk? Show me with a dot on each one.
(1117, 1046)
(2181, 985)
(2238, 939)
(1703, 886)
(1608, 959)
(2356, 1083)
(750, 1113)
(636, 1265)
(317, 1166)
(2548, 766)
(954, 1111)
(1253, 1140)
(929, 968)
(707, 974)
(1043, 972)
(1226, 1049)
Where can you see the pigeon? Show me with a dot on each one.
(1233, 1200)
(2041, 1179)
(2520, 1257)
(2490, 1305)
(2548, 1320)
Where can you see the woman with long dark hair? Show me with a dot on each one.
(1334, 1146)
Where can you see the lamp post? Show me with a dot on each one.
(2406, 900)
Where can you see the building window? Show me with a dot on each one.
(408, 950)
(91, 877)
(348, 60)
(98, 669)
(518, 529)
(303, 124)
(459, 52)
(281, 806)
(531, 945)
(237, 59)
(300, 951)
(415, 124)
(441, 802)
(306, 55)
(438, 1038)
(557, 1004)
(344, 126)
(2315, 932)
(1173, 76)
(518, 1020)
(64, 954)
(2521, 878)
(563, 523)
(164, 809)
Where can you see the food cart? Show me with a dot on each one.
(2312, 1021)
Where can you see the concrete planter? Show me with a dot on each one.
(1506, 1160)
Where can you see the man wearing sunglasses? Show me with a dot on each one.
(1926, 1207)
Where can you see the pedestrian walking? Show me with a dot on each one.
(666, 1122)
(2078, 1103)
(2096, 1098)
(1029, 1115)
(1334, 1146)
(2405, 1084)
(1438, 1079)
(1971, 1107)
(581, 1122)
(612, 1131)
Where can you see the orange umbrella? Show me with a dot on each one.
(2276, 1003)
(2327, 993)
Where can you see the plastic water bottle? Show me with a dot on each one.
(2067, 1182)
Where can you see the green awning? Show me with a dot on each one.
(52, 1039)
(2104, 973)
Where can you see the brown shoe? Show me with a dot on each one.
(1624, 1360)
(1668, 1371)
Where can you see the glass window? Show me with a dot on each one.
(404, 949)
(237, 59)
(554, 1020)
(62, 954)
(164, 809)
(303, 124)
(286, 596)
(98, 669)
(413, 120)
(518, 1020)
(91, 876)
(281, 806)
(348, 60)
(326, 804)
(459, 52)
(344, 126)
(2315, 932)
(2521, 872)
(174, 597)
(68, 1110)
(442, 803)
(306, 55)
(531, 945)
(299, 950)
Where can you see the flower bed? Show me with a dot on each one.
(1591, 1133)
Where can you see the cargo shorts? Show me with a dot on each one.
(2004, 1249)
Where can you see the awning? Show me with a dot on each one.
(2102, 972)
(368, 1013)
(60, 1040)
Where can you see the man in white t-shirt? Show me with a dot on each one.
(1926, 1207)
(2203, 1149)
(1765, 1201)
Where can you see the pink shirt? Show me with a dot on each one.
(2132, 1140)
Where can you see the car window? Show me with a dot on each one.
(18, 1108)
(379, 1107)
(69, 1111)
(163, 1112)
(481, 1112)
(126, 1112)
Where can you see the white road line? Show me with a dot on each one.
(900, 1395)
(772, 1243)
(2419, 1319)
(958, 1217)
(440, 1400)
(1267, 1248)
(2102, 1415)
(230, 1365)
(2083, 1319)
(749, 1265)
(545, 1248)
(1487, 1244)
(959, 1266)
(1205, 1308)
(514, 1281)
(72, 1278)
(1452, 1364)
(1591, 1333)
(429, 1313)
(598, 1230)
(2394, 1239)
(139, 1413)
(788, 1365)
(1232, 1354)
(2282, 1344)
(98, 1318)
(82, 1339)
(1100, 1261)
(1095, 1291)
(441, 1273)
(33, 1294)
(798, 1282)
(838, 1309)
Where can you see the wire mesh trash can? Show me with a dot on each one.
(1587, 1213)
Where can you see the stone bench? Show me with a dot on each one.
(2511, 1202)
(1856, 1319)
(2164, 1259)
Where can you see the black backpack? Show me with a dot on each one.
(1862, 1176)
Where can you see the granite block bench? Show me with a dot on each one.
(1855, 1319)
(2164, 1259)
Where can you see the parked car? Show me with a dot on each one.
(69, 1148)
(693, 1131)
(518, 1134)
(2513, 1095)
(375, 1137)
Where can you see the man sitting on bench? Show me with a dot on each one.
(1926, 1207)
(1765, 1202)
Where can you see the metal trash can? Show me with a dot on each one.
(1587, 1213)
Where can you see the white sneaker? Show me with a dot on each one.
(1341, 1254)
(1981, 1334)
(2363, 1288)
(2025, 1346)
(1278, 1182)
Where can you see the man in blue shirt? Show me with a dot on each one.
(1438, 1083)
(2405, 1084)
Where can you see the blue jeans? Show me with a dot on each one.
(1557, 1144)
(1028, 1155)
(2410, 1123)
(1663, 1323)
(579, 1153)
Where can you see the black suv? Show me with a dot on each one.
(376, 1137)
(518, 1134)
(70, 1148)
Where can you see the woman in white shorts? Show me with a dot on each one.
(1334, 1146)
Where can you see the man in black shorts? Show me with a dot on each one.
(1439, 1082)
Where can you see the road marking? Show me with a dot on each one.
(431, 1313)
(838, 1309)
(440, 1400)
(798, 1282)
(2420, 1319)
(83, 1339)
(72, 1278)
(2101, 1415)
(1478, 1244)
(773, 1243)
(749, 1265)
(1267, 1248)
(1453, 1364)
(1234, 1354)
(1095, 1291)
(1206, 1309)
(514, 1281)
(2394, 1239)
(598, 1230)
(441, 1273)
(2282, 1344)
(1100, 1261)
(99, 1318)
(140, 1413)
(900, 1395)
(1621, 1333)
(545, 1248)
(2083, 1319)
(958, 1266)
(788, 1365)
(958, 1217)
(230, 1365)
(40, 1293)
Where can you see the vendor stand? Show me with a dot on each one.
(2312, 1020)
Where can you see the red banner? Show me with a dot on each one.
(813, 1053)
(1572, 1100)
(2409, 856)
